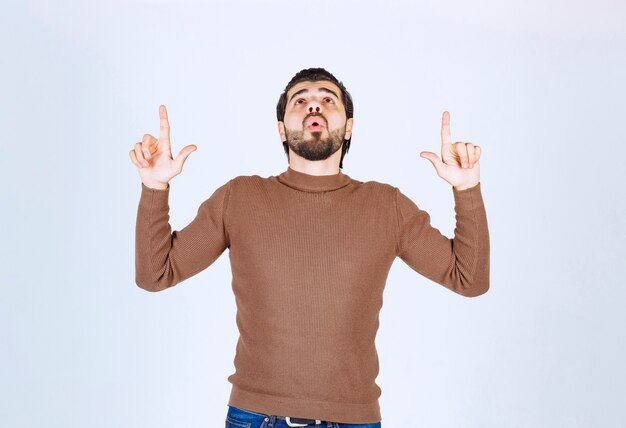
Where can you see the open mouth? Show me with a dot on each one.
(314, 124)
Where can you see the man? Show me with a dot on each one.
(310, 250)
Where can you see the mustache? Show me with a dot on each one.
(315, 115)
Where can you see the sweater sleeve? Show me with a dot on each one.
(460, 264)
(164, 258)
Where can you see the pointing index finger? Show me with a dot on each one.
(164, 133)
(446, 140)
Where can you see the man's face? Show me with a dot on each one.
(315, 124)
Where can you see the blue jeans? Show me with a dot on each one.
(240, 418)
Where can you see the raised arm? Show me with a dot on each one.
(164, 258)
(462, 263)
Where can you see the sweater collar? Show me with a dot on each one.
(313, 183)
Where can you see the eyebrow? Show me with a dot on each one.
(301, 91)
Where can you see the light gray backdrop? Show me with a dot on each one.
(539, 85)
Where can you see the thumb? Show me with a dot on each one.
(184, 154)
(434, 159)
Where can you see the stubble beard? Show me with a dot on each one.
(316, 147)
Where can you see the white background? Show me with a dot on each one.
(539, 85)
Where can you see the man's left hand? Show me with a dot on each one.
(458, 164)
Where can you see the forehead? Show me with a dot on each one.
(314, 87)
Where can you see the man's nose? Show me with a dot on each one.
(314, 107)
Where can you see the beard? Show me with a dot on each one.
(316, 147)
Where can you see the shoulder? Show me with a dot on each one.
(374, 186)
(247, 185)
(248, 180)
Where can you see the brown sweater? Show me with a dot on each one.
(310, 257)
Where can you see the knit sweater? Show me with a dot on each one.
(310, 256)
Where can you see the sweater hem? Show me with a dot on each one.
(347, 413)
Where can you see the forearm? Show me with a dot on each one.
(471, 242)
(152, 238)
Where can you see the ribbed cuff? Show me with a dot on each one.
(468, 198)
(159, 196)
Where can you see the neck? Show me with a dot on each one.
(326, 167)
(313, 182)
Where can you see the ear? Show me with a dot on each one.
(349, 124)
(281, 131)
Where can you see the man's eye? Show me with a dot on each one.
(329, 99)
(298, 101)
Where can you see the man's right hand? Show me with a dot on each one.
(153, 157)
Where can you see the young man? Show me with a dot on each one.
(310, 250)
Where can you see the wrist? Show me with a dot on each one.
(465, 186)
(156, 185)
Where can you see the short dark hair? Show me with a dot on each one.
(314, 75)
